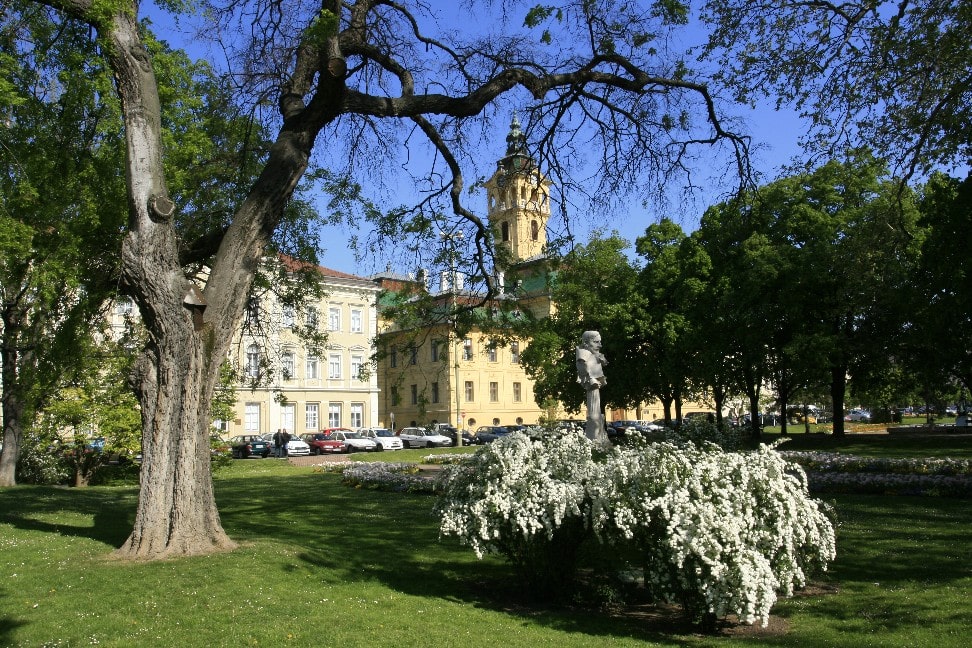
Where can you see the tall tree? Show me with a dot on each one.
(892, 75)
(940, 295)
(366, 66)
(61, 212)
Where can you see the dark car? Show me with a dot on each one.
(489, 433)
(450, 431)
(249, 445)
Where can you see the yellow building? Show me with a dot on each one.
(432, 376)
(299, 390)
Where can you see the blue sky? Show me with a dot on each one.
(775, 141)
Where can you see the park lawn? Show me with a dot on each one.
(321, 564)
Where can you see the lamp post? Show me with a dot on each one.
(452, 237)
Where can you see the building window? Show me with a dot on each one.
(491, 352)
(517, 393)
(396, 398)
(515, 352)
(467, 349)
(414, 392)
(357, 363)
(435, 392)
(311, 318)
(393, 357)
(253, 361)
(412, 354)
(470, 393)
(435, 348)
(356, 322)
(357, 415)
(253, 311)
(334, 318)
(312, 414)
(334, 366)
(287, 367)
(311, 368)
(505, 231)
(124, 307)
(287, 317)
(534, 230)
(251, 417)
(334, 415)
(493, 392)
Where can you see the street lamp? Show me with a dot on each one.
(452, 237)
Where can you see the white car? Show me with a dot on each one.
(858, 415)
(353, 441)
(385, 438)
(413, 437)
(297, 447)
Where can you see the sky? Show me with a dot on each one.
(775, 136)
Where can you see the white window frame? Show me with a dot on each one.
(288, 365)
(251, 417)
(312, 416)
(287, 316)
(334, 366)
(334, 415)
(357, 320)
(334, 318)
(253, 358)
(312, 370)
(357, 362)
(357, 415)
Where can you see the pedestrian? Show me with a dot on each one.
(285, 437)
(278, 445)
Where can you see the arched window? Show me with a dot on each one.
(505, 231)
(534, 230)
(253, 361)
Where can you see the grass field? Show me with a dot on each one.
(320, 564)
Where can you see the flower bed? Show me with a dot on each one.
(836, 473)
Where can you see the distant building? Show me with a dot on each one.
(432, 375)
(300, 390)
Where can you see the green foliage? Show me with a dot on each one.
(887, 75)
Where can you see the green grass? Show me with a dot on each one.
(321, 564)
(878, 445)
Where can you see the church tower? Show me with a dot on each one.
(518, 198)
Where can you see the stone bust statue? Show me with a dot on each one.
(590, 374)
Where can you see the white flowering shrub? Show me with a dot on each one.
(717, 532)
(524, 500)
(699, 431)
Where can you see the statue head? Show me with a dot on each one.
(591, 340)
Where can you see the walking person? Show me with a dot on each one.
(278, 444)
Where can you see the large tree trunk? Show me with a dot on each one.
(177, 372)
(12, 430)
(838, 386)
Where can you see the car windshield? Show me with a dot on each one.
(384, 433)
(352, 435)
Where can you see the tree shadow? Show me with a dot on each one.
(112, 511)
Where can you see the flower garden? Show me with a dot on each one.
(716, 531)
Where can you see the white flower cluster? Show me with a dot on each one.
(515, 488)
(718, 532)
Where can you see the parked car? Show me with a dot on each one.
(354, 441)
(384, 437)
(415, 437)
(320, 443)
(450, 432)
(249, 445)
(297, 447)
(489, 433)
(859, 415)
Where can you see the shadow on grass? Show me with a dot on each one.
(43, 508)
(7, 626)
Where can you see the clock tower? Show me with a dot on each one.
(518, 198)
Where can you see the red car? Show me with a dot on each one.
(321, 443)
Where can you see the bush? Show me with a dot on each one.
(524, 500)
(717, 532)
(42, 461)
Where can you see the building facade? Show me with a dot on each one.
(289, 386)
(435, 375)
